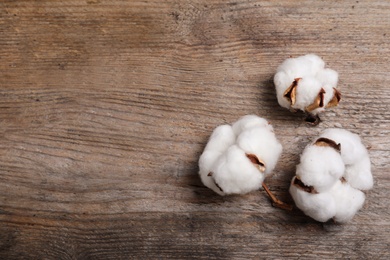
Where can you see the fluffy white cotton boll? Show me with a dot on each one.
(317, 63)
(341, 202)
(307, 65)
(261, 142)
(237, 158)
(234, 173)
(359, 175)
(320, 206)
(352, 149)
(348, 201)
(303, 83)
(323, 170)
(286, 73)
(328, 77)
(250, 121)
(307, 91)
(304, 66)
(320, 167)
(220, 140)
(206, 163)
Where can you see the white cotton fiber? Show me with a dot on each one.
(235, 174)
(206, 162)
(250, 121)
(301, 66)
(348, 201)
(341, 202)
(320, 167)
(237, 158)
(313, 79)
(355, 157)
(319, 206)
(332, 171)
(316, 63)
(307, 91)
(219, 142)
(261, 142)
(359, 174)
(352, 149)
(221, 139)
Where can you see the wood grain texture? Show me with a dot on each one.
(105, 107)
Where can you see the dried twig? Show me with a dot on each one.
(275, 202)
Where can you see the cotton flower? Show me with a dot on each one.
(303, 83)
(238, 157)
(332, 171)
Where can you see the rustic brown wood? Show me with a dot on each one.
(105, 107)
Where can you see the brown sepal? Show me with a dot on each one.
(299, 184)
(290, 93)
(256, 161)
(329, 143)
(318, 102)
(335, 100)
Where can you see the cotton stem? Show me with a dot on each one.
(312, 120)
(275, 202)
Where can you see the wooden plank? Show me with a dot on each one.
(105, 107)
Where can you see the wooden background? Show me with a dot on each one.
(105, 107)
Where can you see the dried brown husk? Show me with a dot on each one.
(326, 142)
(290, 93)
(256, 161)
(335, 100)
(318, 102)
(300, 185)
